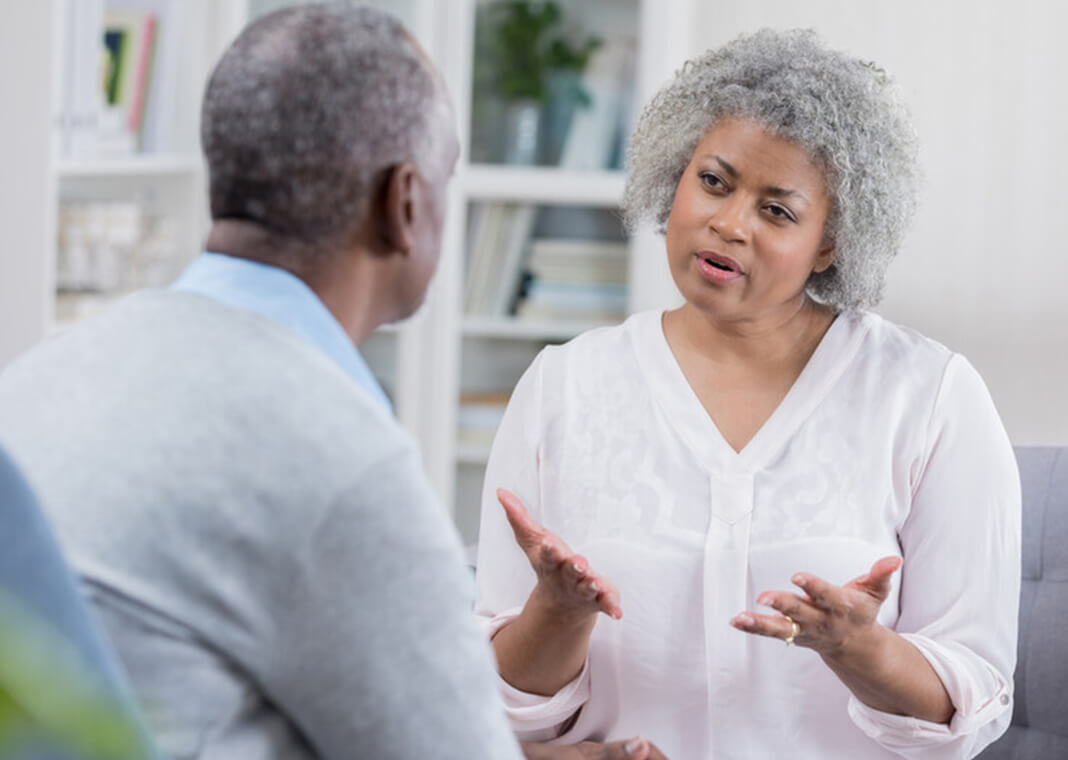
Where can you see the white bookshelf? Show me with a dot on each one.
(493, 348)
(137, 166)
(547, 331)
(426, 362)
(541, 184)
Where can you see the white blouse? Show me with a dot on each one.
(887, 443)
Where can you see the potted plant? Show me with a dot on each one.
(529, 65)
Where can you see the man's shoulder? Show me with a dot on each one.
(178, 372)
(234, 353)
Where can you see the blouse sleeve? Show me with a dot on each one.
(504, 577)
(960, 584)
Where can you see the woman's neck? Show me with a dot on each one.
(786, 338)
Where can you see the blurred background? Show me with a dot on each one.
(102, 188)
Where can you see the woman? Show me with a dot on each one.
(770, 462)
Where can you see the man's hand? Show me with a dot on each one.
(632, 749)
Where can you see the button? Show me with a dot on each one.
(1004, 699)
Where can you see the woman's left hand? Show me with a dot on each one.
(829, 619)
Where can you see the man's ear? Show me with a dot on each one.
(825, 257)
(396, 209)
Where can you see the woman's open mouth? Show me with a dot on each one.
(718, 268)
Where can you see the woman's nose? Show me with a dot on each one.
(730, 219)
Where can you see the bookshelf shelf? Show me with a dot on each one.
(543, 185)
(73, 307)
(130, 166)
(515, 329)
(476, 456)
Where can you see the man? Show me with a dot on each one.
(221, 467)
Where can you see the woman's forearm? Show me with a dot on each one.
(886, 672)
(544, 648)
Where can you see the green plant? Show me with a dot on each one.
(46, 695)
(525, 52)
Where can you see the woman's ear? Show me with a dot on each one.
(825, 257)
(395, 208)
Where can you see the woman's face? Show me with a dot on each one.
(747, 225)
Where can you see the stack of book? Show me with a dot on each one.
(575, 280)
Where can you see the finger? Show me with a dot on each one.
(550, 554)
(577, 568)
(655, 753)
(532, 751)
(589, 588)
(528, 534)
(791, 605)
(824, 595)
(772, 626)
(877, 582)
(608, 600)
(631, 749)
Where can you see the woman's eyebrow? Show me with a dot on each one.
(730, 170)
(781, 192)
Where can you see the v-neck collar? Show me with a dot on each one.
(684, 411)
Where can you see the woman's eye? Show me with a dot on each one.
(711, 180)
(780, 211)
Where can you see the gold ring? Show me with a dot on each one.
(794, 630)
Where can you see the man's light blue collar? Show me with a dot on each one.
(283, 298)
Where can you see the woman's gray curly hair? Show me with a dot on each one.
(843, 111)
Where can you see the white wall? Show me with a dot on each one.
(27, 213)
(985, 269)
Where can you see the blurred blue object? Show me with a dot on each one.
(63, 693)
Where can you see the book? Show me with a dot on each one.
(593, 136)
(573, 301)
(592, 261)
(575, 280)
(505, 282)
(82, 74)
(129, 37)
(487, 235)
(142, 74)
(498, 236)
(113, 91)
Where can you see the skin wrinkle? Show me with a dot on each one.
(283, 148)
(843, 112)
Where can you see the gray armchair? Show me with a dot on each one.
(1039, 729)
(77, 703)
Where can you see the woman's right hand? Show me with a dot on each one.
(634, 749)
(566, 583)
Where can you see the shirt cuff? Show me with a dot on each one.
(535, 717)
(980, 696)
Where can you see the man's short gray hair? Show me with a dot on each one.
(843, 111)
(304, 111)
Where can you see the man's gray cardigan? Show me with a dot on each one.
(257, 536)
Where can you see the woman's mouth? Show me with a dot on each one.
(718, 268)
